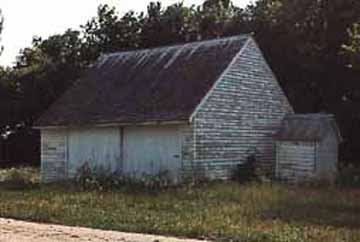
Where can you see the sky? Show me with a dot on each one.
(25, 19)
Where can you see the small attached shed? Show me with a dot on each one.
(307, 148)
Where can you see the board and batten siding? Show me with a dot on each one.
(153, 150)
(99, 147)
(239, 117)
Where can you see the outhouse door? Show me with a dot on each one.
(296, 161)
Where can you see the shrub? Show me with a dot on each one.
(99, 178)
(246, 172)
(349, 176)
(19, 178)
(158, 181)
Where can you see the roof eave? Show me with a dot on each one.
(112, 124)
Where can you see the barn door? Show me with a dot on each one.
(99, 147)
(152, 150)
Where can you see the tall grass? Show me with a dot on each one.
(218, 211)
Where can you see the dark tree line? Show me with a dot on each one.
(313, 47)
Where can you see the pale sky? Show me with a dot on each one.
(27, 18)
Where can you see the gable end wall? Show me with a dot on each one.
(239, 117)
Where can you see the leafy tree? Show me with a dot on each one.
(214, 17)
(352, 48)
(164, 27)
(47, 69)
(6, 98)
(108, 33)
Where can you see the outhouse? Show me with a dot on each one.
(307, 148)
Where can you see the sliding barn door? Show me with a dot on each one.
(100, 147)
(152, 150)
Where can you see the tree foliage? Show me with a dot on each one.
(352, 47)
(5, 94)
(308, 43)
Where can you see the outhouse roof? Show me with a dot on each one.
(159, 84)
(308, 127)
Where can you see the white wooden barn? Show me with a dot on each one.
(307, 148)
(194, 109)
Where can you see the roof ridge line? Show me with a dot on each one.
(240, 36)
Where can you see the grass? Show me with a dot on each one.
(219, 211)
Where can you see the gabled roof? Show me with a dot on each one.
(160, 84)
(308, 127)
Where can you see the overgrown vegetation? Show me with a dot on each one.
(246, 172)
(90, 178)
(218, 211)
(349, 176)
(19, 178)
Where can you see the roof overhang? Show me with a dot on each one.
(119, 124)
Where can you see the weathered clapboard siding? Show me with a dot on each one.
(296, 161)
(53, 155)
(307, 148)
(241, 114)
(187, 151)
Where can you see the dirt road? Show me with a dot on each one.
(19, 231)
